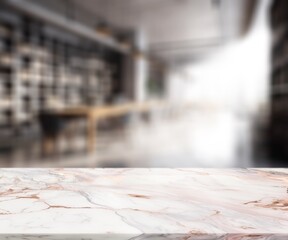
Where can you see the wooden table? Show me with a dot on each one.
(93, 114)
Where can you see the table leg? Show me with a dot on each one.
(91, 133)
(49, 145)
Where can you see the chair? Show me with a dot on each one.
(52, 126)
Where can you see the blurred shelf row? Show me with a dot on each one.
(38, 69)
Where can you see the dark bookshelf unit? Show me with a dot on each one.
(278, 136)
(42, 65)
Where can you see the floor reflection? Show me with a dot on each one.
(194, 139)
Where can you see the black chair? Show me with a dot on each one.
(51, 126)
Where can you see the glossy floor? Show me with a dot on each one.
(194, 139)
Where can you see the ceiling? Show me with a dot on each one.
(162, 20)
(174, 29)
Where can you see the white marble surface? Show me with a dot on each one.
(144, 203)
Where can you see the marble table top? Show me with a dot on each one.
(84, 204)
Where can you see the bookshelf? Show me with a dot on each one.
(41, 65)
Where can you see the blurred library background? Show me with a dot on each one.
(143, 83)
